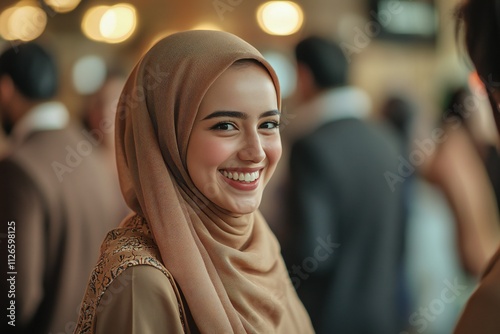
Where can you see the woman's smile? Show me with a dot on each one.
(241, 180)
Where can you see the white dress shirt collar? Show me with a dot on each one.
(43, 117)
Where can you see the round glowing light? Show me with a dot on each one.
(118, 23)
(62, 6)
(206, 26)
(4, 24)
(91, 22)
(25, 21)
(280, 17)
(89, 73)
(110, 24)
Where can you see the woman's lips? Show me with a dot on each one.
(241, 176)
(241, 180)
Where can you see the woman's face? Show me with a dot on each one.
(235, 142)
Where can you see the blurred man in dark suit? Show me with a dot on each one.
(345, 216)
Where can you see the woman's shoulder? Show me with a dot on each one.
(141, 300)
(129, 263)
(129, 245)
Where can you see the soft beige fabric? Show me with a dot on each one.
(112, 284)
(142, 301)
(481, 314)
(228, 268)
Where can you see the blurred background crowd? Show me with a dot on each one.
(417, 82)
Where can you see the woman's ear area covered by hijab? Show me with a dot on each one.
(235, 143)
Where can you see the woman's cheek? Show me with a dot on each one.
(217, 151)
(274, 150)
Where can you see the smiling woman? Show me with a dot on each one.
(233, 154)
(197, 141)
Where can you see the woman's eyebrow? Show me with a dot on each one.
(234, 114)
(270, 113)
(239, 114)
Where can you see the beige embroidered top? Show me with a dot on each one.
(130, 290)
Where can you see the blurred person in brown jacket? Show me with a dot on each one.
(481, 20)
(55, 202)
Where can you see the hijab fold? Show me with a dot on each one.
(228, 268)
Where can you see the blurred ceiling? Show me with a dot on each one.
(157, 17)
(381, 67)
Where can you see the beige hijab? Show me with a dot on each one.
(228, 268)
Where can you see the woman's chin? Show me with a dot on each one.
(240, 209)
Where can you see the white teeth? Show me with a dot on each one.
(245, 177)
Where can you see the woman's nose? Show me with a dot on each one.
(252, 149)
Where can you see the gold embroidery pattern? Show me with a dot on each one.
(122, 248)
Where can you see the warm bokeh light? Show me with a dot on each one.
(280, 17)
(118, 23)
(91, 22)
(62, 6)
(110, 24)
(206, 26)
(4, 23)
(25, 21)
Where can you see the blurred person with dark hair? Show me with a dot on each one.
(481, 22)
(399, 113)
(345, 255)
(55, 203)
(457, 168)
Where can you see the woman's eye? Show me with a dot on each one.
(224, 126)
(270, 125)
